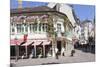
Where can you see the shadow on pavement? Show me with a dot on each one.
(49, 63)
(86, 49)
(12, 65)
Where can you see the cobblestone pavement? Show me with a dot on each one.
(77, 58)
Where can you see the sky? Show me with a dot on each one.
(82, 11)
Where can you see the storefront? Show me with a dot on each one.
(32, 48)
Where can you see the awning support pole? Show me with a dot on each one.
(17, 52)
(26, 51)
(44, 50)
(35, 49)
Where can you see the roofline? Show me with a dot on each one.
(43, 11)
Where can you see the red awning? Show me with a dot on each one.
(27, 43)
(46, 42)
(37, 43)
(16, 42)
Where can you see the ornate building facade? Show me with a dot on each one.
(38, 31)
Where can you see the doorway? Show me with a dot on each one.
(59, 46)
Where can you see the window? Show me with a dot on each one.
(40, 26)
(59, 27)
(44, 27)
(33, 28)
(26, 28)
(12, 28)
(20, 28)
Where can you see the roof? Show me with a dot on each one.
(85, 21)
(36, 9)
(32, 9)
(65, 9)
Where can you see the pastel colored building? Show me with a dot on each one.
(39, 31)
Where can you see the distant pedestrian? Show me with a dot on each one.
(91, 43)
(62, 52)
(23, 56)
(72, 52)
(33, 52)
(72, 49)
(56, 50)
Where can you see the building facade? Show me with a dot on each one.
(39, 31)
(86, 30)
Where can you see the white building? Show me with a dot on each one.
(40, 27)
(87, 27)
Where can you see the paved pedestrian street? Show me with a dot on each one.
(79, 57)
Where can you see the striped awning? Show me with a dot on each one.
(37, 43)
(14, 42)
(46, 42)
(28, 43)
(69, 39)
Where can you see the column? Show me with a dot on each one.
(28, 29)
(43, 50)
(15, 27)
(26, 51)
(35, 50)
(53, 49)
(17, 52)
(67, 45)
(38, 22)
(62, 47)
(42, 27)
(24, 26)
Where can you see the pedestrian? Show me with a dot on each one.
(72, 53)
(62, 52)
(72, 49)
(56, 50)
(33, 52)
(23, 56)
